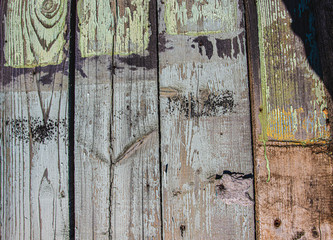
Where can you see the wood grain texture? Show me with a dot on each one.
(35, 32)
(205, 124)
(285, 73)
(33, 127)
(117, 137)
(34, 133)
(292, 109)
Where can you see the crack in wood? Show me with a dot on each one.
(132, 147)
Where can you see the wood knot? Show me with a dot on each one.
(48, 6)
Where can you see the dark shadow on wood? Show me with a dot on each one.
(312, 22)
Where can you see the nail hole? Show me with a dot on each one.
(277, 223)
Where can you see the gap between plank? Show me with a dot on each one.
(71, 119)
(252, 52)
(159, 118)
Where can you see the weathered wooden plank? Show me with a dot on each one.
(34, 134)
(93, 101)
(293, 160)
(205, 121)
(117, 144)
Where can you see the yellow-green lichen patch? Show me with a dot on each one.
(107, 29)
(202, 17)
(34, 32)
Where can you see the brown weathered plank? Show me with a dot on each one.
(117, 145)
(205, 121)
(293, 162)
(33, 126)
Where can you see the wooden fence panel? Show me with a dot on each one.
(117, 172)
(205, 121)
(162, 131)
(293, 160)
(33, 126)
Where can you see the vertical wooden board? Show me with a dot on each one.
(205, 121)
(292, 109)
(118, 83)
(135, 212)
(34, 138)
(93, 105)
(297, 201)
(293, 160)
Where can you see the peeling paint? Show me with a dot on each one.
(99, 21)
(233, 189)
(292, 94)
(200, 17)
(35, 33)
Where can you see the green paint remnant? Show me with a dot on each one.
(201, 17)
(99, 21)
(293, 99)
(292, 94)
(35, 33)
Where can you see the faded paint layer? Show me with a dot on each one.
(293, 96)
(107, 29)
(34, 33)
(201, 17)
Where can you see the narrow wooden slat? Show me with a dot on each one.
(34, 138)
(205, 121)
(117, 137)
(293, 162)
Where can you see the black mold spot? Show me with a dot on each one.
(223, 48)
(204, 42)
(182, 230)
(208, 105)
(315, 233)
(40, 132)
(223, 102)
(298, 235)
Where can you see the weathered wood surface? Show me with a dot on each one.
(205, 121)
(293, 160)
(117, 172)
(33, 126)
